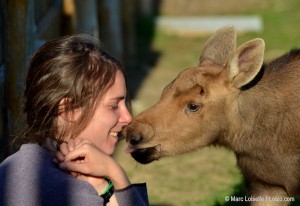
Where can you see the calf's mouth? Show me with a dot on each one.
(144, 155)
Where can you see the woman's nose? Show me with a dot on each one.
(125, 117)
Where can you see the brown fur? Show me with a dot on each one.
(231, 100)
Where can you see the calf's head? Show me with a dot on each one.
(197, 107)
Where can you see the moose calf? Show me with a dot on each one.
(231, 99)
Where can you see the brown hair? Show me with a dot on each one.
(75, 68)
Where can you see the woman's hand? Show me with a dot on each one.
(98, 183)
(64, 149)
(86, 161)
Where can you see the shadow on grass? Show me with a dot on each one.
(240, 192)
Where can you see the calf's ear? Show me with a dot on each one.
(246, 62)
(219, 47)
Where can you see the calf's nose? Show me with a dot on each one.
(135, 139)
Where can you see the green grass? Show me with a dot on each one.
(206, 176)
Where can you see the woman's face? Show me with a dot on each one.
(110, 116)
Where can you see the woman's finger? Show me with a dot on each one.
(59, 156)
(75, 155)
(73, 167)
(66, 147)
(63, 148)
(71, 144)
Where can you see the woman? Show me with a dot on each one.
(75, 93)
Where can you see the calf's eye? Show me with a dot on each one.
(192, 107)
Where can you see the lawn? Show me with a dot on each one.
(204, 177)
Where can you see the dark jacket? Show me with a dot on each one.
(30, 178)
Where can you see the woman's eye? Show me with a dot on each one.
(192, 107)
(114, 107)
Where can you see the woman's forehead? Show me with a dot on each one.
(118, 89)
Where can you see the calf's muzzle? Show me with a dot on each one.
(137, 136)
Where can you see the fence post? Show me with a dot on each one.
(129, 33)
(110, 27)
(86, 17)
(19, 44)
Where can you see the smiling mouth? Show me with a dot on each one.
(144, 155)
(117, 134)
(114, 134)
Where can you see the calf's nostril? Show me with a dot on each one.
(135, 139)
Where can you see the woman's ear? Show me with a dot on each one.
(66, 114)
(66, 117)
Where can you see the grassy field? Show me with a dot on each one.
(206, 176)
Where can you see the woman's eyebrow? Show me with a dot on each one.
(118, 98)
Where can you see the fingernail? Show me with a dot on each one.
(62, 166)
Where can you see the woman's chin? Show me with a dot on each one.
(110, 148)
